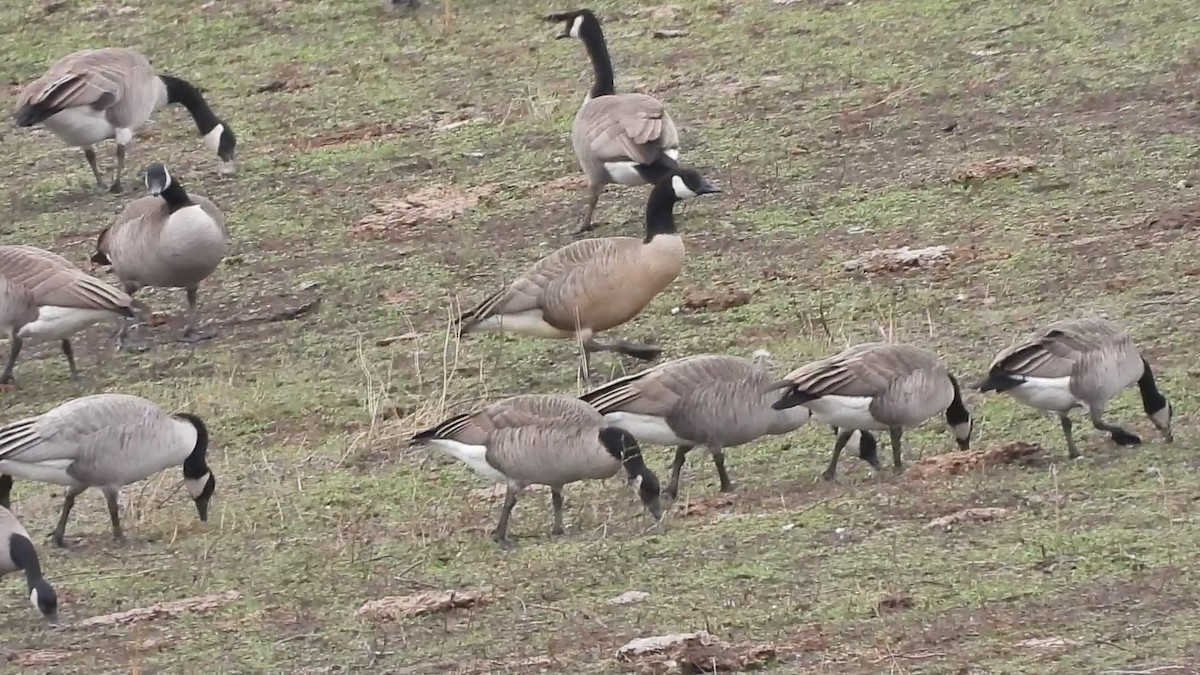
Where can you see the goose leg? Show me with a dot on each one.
(637, 350)
(90, 154)
(676, 467)
(68, 503)
(6, 483)
(897, 434)
(500, 534)
(842, 439)
(1072, 451)
(556, 502)
(1119, 435)
(69, 352)
(190, 334)
(718, 457)
(14, 350)
(594, 190)
(114, 514)
(115, 188)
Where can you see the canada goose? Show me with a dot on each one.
(1079, 363)
(877, 386)
(18, 553)
(43, 296)
(712, 400)
(592, 285)
(618, 138)
(169, 239)
(541, 439)
(96, 94)
(105, 441)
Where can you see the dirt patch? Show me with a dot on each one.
(991, 169)
(898, 259)
(716, 301)
(35, 657)
(703, 507)
(431, 204)
(972, 515)
(355, 133)
(1177, 218)
(420, 604)
(957, 462)
(173, 608)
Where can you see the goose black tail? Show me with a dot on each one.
(999, 381)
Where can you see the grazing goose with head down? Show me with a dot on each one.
(877, 385)
(593, 285)
(1079, 363)
(105, 441)
(712, 400)
(17, 553)
(169, 239)
(541, 439)
(96, 94)
(43, 296)
(618, 138)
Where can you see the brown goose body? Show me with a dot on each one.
(540, 439)
(1079, 363)
(875, 386)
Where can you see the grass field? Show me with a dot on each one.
(834, 128)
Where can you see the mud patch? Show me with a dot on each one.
(957, 462)
(398, 216)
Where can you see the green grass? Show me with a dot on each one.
(823, 123)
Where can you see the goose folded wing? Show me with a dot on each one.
(82, 81)
(839, 377)
(1040, 357)
(555, 279)
(630, 127)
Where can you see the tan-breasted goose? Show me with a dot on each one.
(876, 386)
(96, 94)
(1079, 363)
(543, 439)
(618, 138)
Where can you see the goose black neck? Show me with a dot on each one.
(25, 557)
(660, 210)
(196, 466)
(957, 412)
(175, 196)
(1152, 398)
(187, 95)
(602, 70)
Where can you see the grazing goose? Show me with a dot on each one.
(97, 94)
(712, 400)
(1079, 363)
(593, 285)
(618, 138)
(541, 439)
(877, 386)
(105, 441)
(169, 239)
(43, 296)
(18, 553)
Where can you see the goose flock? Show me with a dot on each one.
(173, 239)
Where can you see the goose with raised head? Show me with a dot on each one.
(1079, 363)
(95, 94)
(627, 139)
(877, 386)
(18, 554)
(541, 439)
(45, 297)
(713, 400)
(592, 285)
(169, 239)
(105, 441)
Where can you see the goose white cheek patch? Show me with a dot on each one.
(576, 25)
(212, 140)
(681, 189)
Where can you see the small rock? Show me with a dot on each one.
(629, 598)
(949, 126)
(419, 604)
(894, 259)
(668, 33)
(660, 643)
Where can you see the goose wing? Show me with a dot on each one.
(660, 389)
(54, 280)
(91, 77)
(1055, 351)
(626, 127)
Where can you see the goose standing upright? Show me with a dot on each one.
(169, 239)
(105, 441)
(1079, 363)
(542, 439)
(96, 94)
(713, 400)
(628, 139)
(43, 296)
(876, 385)
(17, 553)
(592, 285)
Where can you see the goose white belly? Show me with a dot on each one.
(1046, 393)
(56, 323)
(645, 428)
(624, 173)
(851, 412)
(50, 471)
(80, 126)
(474, 456)
(529, 323)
